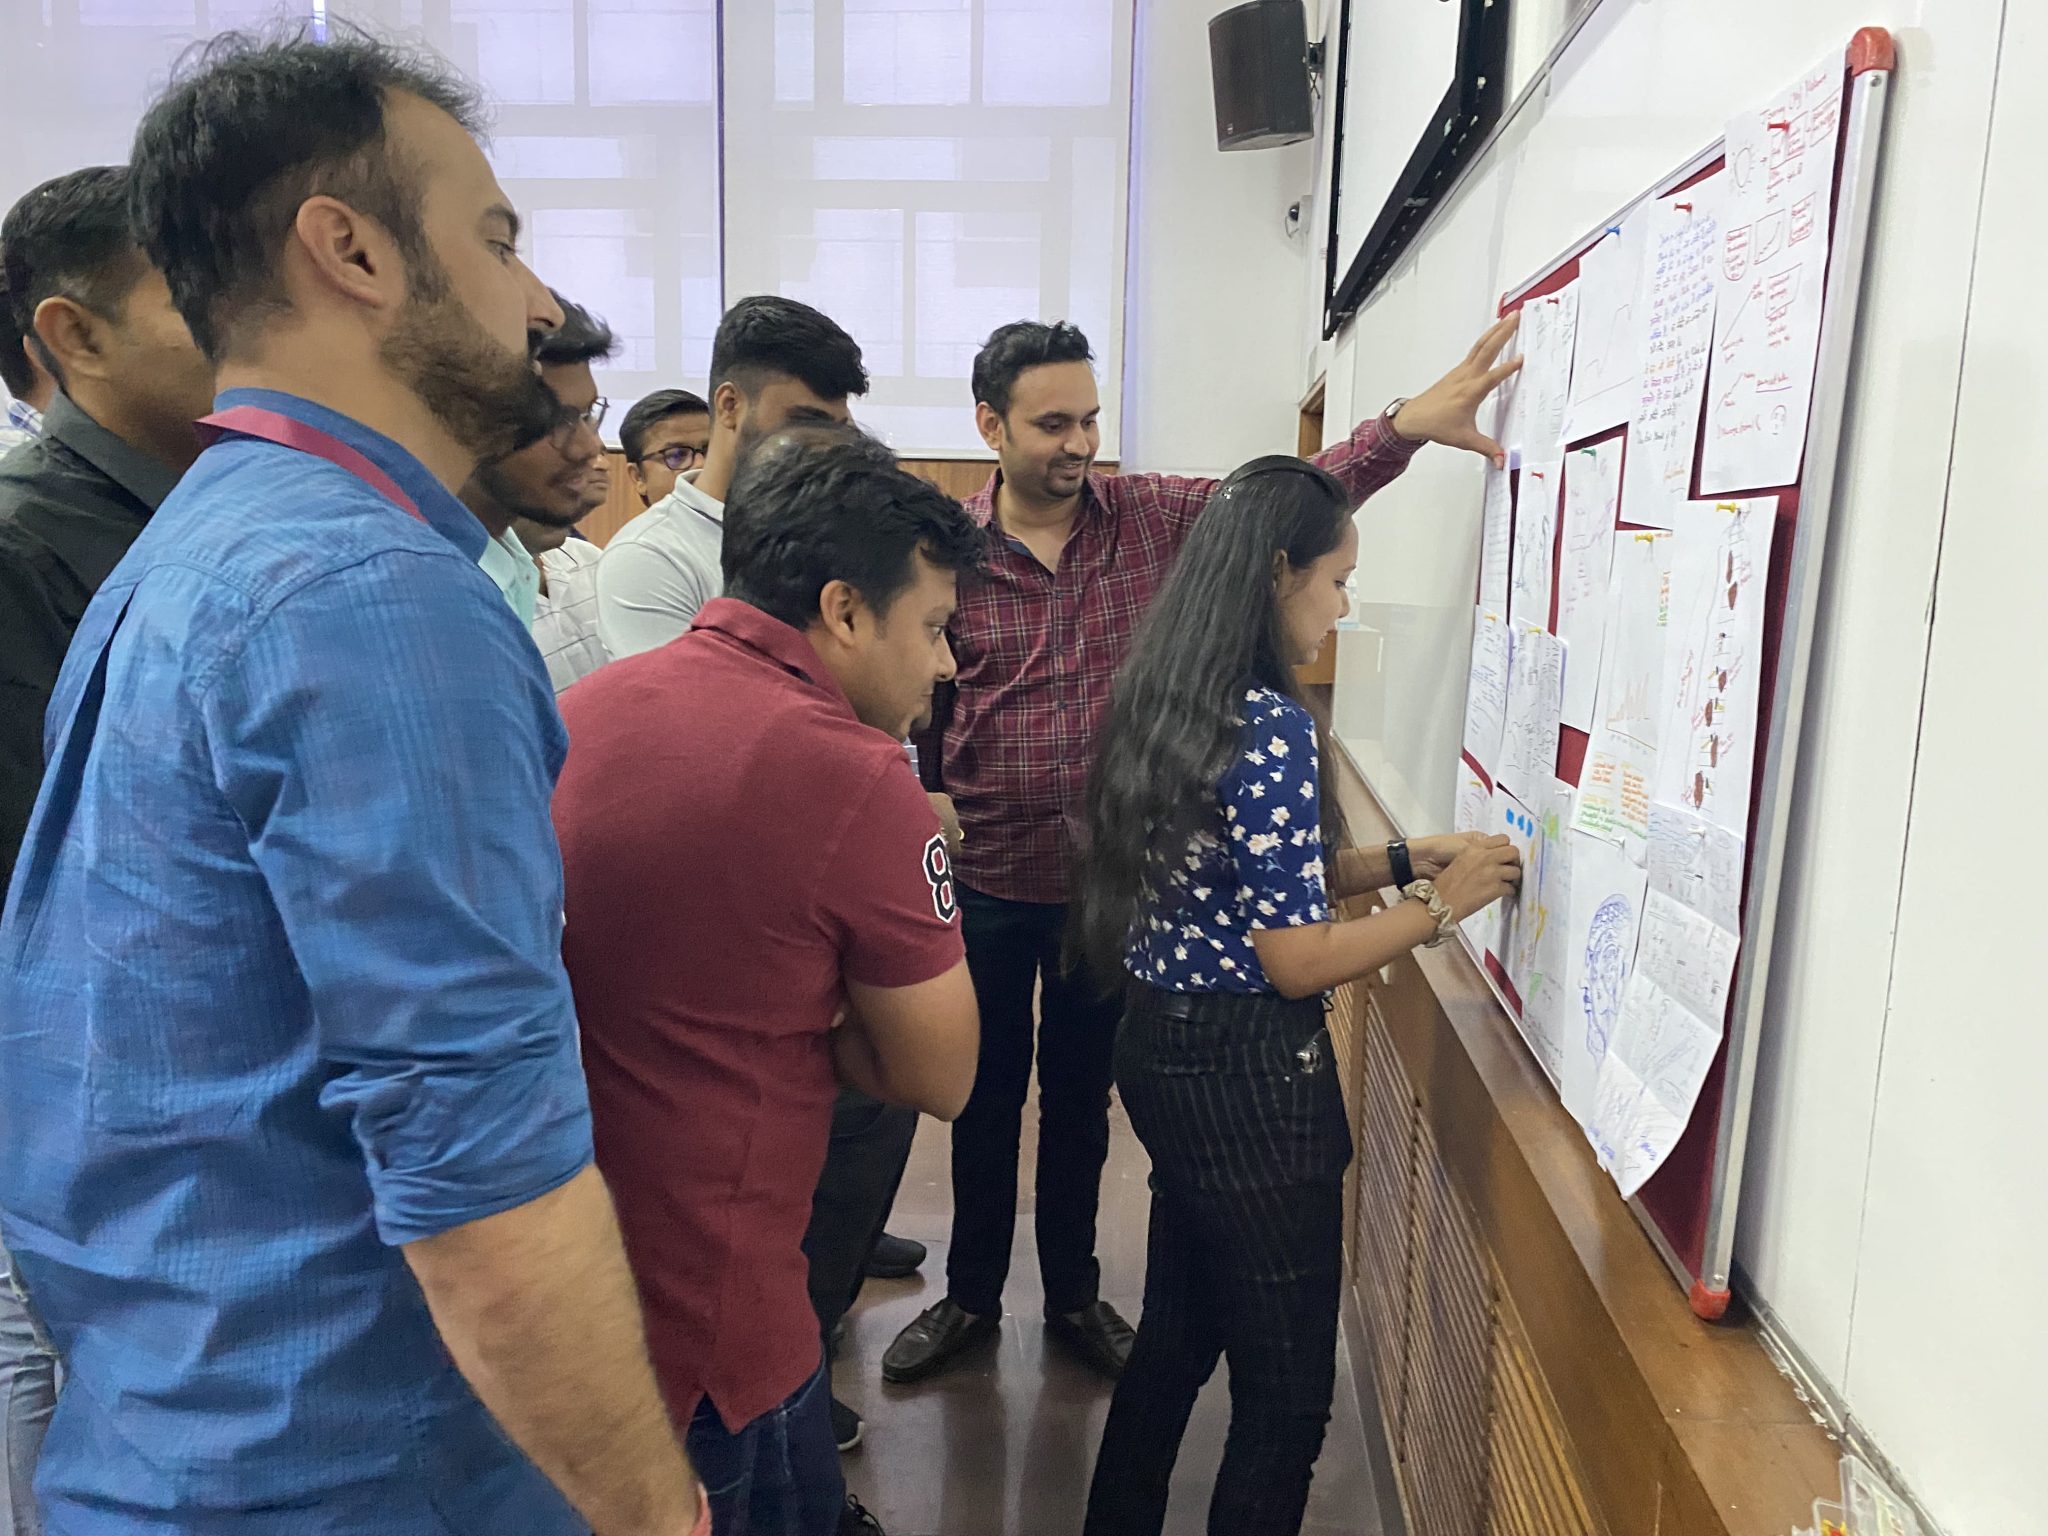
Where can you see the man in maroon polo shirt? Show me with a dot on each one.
(759, 908)
(1074, 560)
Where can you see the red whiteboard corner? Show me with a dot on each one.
(1872, 49)
(1711, 1306)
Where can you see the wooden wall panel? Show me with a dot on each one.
(1538, 1371)
(1385, 1163)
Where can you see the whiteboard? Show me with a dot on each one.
(1829, 1245)
(1400, 60)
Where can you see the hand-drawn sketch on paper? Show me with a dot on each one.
(1496, 540)
(1605, 357)
(1603, 913)
(1621, 760)
(1530, 584)
(1529, 735)
(1714, 659)
(1475, 814)
(1537, 397)
(1676, 335)
(1486, 693)
(1697, 864)
(1771, 281)
(1592, 500)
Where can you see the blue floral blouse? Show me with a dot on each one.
(1260, 865)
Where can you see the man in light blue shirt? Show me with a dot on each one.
(294, 1140)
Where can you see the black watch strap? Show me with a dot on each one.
(1403, 866)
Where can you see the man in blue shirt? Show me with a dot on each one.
(294, 1146)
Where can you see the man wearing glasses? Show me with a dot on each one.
(530, 500)
(664, 437)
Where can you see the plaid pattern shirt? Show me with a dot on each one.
(1037, 650)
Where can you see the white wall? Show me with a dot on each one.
(1213, 307)
(1948, 1340)
(1891, 1212)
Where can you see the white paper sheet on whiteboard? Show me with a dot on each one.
(1496, 540)
(1528, 746)
(1486, 690)
(1675, 334)
(1772, 276)
(1628, 716)
(1537, 397)
(1475, 814)
(1605, 359)
(1603, 914)
(1529, 586)
(1714, 644)
(1592, 496)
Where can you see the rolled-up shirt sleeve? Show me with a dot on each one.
(395, 789)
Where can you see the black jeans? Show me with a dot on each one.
(1237, 1100)
(863, 1166)
(1013, 950)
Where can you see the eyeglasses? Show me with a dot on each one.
(592, 418)
(677, 458)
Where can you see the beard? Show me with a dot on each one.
(511, 491)
(488, 397)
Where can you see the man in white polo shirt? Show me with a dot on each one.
(774, 363)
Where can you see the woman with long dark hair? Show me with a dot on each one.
(1203, 887)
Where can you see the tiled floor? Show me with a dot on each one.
(1002, 1445)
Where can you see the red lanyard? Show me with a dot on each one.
(289, 432)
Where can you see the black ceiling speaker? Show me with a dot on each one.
(1259, 60)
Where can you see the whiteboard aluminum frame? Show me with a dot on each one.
(1863, 140)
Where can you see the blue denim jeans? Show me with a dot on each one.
(28, 1394)
(779, 1475)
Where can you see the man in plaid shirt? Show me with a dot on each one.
(1038, 639)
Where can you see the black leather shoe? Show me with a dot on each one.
(1097, 1336)
(933, 1339)
(895, 1258)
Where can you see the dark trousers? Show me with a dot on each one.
(1013, 950)
(863, 1167)
(1237, 1101)
(779, 1475)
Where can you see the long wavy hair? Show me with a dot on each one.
(1171, 732)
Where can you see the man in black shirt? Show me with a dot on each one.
(116, 438)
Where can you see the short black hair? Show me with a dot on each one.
(766, 335)
(68, 238)
(653, 409)
(580, 338)
(821, 503)
(1011, 349)
(252, 126)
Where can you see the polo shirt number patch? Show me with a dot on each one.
(938, 870)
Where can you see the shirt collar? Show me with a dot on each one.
(768, 636)
(445, 514)
(981, 506)
(25, 417)
(142, 477)
(687, 498)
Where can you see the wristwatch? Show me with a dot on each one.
(1425, 892)
(1398, 861)
(1388, 417)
